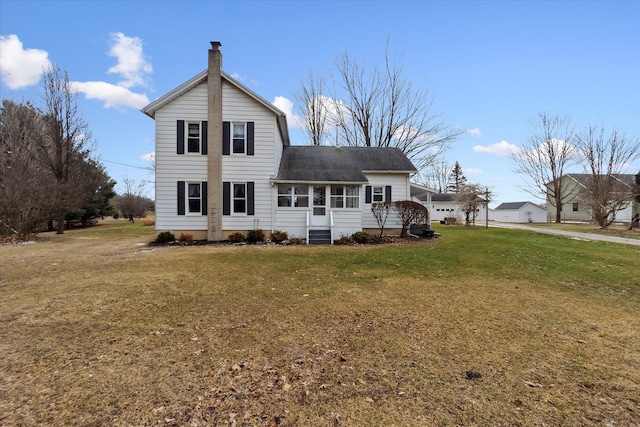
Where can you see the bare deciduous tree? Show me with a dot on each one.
(375, 107)
(381, 212)
(384, 109)
(131, 201)
(471, 198)
(66, 143)
(604, 158)
(25, 202)
(436, 175)
(545, 156)
(313, 105)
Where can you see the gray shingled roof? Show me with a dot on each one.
(510, 205)
(443, 197)
(339, 164)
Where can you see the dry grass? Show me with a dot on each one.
(99, 329)
(149, 220)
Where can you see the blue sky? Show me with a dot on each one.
(492, 66)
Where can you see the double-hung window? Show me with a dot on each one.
(239, 137)
(193, 137)
(575, 207)
(345, 196)
(378, 194)
(290, 195)
(194, 197)
(239, 198)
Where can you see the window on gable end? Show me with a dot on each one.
(193, 137)
(239, 137)
(378, 194)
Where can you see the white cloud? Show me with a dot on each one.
(20, 67)
(132, 64)
(112, 95)
(500, 149)
(474, 132)
(149, 157)
(286, 105)
(472, 171)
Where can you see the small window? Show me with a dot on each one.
(239, 137)
(575, 207)
(194, 197)
(193, 138)
(296, 196)
(239, 198)
(378, 194)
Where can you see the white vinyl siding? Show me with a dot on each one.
(172, 167)
(399, 183)
(260, 168)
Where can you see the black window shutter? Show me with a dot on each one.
(204, 143)
(203, 196)
(367, 194)
(226, 138)
(180, 137)
(250, 198)
(181, 197)
(250, 139)
(387, 193)
(226, 198)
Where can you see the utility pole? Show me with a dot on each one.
(486, 207)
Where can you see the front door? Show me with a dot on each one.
(319, 214)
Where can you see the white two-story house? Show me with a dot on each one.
(224, 164)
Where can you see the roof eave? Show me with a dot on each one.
(150, 110)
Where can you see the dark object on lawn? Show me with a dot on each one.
(421, 230)
(472, 375)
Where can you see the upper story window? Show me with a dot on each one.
(193, 137)
(345, 196)
(239, 137)
(290, 195)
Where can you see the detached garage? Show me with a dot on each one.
(520, 212)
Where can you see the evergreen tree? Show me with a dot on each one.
(457, 179)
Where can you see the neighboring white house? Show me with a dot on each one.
(519, 212)
(575, 198)
(445, 205)
(224, 164)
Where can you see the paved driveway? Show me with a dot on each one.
(573, 234)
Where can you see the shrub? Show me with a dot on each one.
(278, 236)
(255, 236)
(185, 238)
(236, 237)
(148, 220)
(343, 240)
(297, 240)
(361, 237)
(116, 216)
(165, 237)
